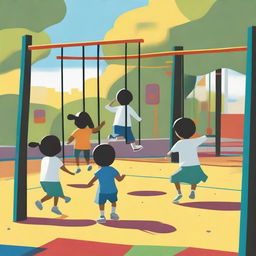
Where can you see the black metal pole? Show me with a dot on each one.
(20, 172)
(62, 106)
(98, 89)
(218, 113)
(125, 84)
(139, 89)
(247, 246)
(177, 97)
(83, 76)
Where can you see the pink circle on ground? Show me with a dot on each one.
(146, 193)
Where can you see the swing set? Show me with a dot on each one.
(248, 209)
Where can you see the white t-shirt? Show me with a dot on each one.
(187, 149)
(50, 169)
(120, 115)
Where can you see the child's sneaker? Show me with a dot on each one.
(111, 137)
(39, 205)
(89, 167)
(192, 195)
(77, 170)
(102, 219)
(67, 199)
(56, 210)
(177, 198)
(114, 216)
(137, 148)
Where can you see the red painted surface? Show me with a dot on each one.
(204, 252)
(50, 46)
(232, 126)
(155, 54)
(68, 247)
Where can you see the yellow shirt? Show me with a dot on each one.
(82, 138)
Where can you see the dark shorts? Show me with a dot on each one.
(120, 131)
(86, 153)
(110, 197)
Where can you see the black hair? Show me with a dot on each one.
(49, 146)
(104, 155)
(184, 127)
(124, 97)
(82, 120)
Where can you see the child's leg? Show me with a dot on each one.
(56, 199)
(55, 208)
(66, 198)
(102, 218)
(179, 196)
(39, 202)
(45, 198)
(77, 155)
(87, 159)
(192, 193)
(113, 214)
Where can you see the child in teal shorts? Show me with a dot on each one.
(190, 171)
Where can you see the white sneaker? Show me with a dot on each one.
(102, 219)
(137, 148)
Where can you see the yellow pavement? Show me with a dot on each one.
(212, 229)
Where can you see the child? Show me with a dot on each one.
(190, 171)
(49, 177)
(82, 136)
(104, 156)
(124, 97)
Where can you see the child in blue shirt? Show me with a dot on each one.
(104, 156)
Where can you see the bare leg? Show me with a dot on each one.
(193, 187)
(102, 207)
(87, 161)
(45, 198)
(77, 161)
(56, 199)
(177, 185)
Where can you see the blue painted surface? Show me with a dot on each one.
(12, 250)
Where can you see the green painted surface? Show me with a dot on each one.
(141, 250)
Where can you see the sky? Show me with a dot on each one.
(85, 20)
(89, 20)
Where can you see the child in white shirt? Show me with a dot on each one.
(190, 170)
(49, 176)
(124, 98)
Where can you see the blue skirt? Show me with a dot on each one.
(189, 174)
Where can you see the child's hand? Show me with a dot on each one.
(103, 123)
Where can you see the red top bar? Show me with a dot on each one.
(50, 46)
(160, 54)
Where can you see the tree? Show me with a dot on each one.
(19, 17)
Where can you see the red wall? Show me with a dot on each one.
(232, 126)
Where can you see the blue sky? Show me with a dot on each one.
(85, 20)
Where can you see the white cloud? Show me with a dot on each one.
(51, 78)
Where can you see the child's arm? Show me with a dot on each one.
(112, 102)
(134, 114)
(95, 130)
(91, 182)
(63, 168)
(109, 106)
(120, 177)
(70, 139)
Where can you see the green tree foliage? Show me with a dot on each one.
(8, 115)
(19, 17)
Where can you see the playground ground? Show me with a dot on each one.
(150, 224)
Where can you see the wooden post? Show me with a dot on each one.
(177, 97)
(247, 246)
(20, 173)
